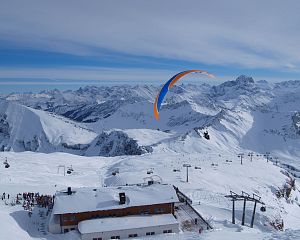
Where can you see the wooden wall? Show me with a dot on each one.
(74, 218)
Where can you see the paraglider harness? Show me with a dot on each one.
(206, 135)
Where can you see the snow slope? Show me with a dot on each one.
(241, 116)
(36, 130)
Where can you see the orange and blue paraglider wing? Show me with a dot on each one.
(169, 84)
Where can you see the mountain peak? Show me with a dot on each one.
(243, 79)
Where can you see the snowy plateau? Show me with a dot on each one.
(111, 129)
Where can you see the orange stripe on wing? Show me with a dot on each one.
(156, 113)
(181, 75)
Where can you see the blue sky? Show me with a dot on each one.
(68, 44)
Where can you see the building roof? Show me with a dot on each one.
(105, 198)
(124, 223)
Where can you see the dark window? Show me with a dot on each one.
(132, 235)
(66, 230)
(115, 237)
(169, 231)
(159, 210)
(145, 211)
(148, 233)
(165, 231)
(152, 233)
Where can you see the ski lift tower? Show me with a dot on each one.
(245, 197)
(187, 171)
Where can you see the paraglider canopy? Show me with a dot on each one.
(168, 85)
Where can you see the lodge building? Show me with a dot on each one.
(115, 212)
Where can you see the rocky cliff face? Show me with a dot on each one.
(115, 143)
(296, 122)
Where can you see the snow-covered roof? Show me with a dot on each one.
(95, 199)
(123, 223)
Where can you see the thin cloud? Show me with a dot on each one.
(250, 34)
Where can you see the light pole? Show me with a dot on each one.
(187, 171)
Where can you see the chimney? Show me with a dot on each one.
(122, 198)
(69, 191)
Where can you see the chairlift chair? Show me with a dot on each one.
(263, 208)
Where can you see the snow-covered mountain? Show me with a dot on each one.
(26, 129)
(240, 114)
(100, 123)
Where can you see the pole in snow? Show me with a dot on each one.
(253, 214)
(267, 155)
(233, 211)
(250, 155)
(241, 155)
(187, 171)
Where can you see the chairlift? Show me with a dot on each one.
(150, 171)
(7, 165)
(70, 168)
(176, 170)
(196, 167)
(69, 171)
(263, 208)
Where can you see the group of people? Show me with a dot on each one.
(4, 196)
(29, 200)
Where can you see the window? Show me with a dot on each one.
(169, 231)
(97, 238)
(66, 230)
(145, 211)
(148, 233)
(69, 218)
(115, 237)
(159, 210)
(132, 235)
(152, 233)
(165, 231)
(72, 229)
